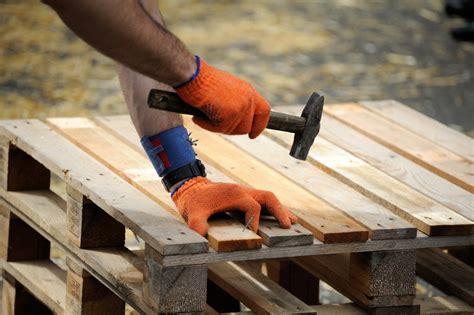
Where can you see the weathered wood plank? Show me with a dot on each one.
(45, 280)
(447, 273)
(420, 150)
(16, 299)
(127, 205)
(326, 222)
(255, 290)
(122, 127)
(425, 126)
(427, 215)
(381, 223)
(399, 167)
(138, 171)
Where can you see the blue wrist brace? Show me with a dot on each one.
(169, 150)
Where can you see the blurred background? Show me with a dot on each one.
(348, 49)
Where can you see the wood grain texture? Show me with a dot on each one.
(446, 273)
(255, 290)
(127, 205)
(122, 127)
(16, 299)
(381, 223)
(360, 283)
(425, 126)
(45, 280)
(399, 167)
(326, 222)
(417, 148)
(427, 215)
(136, 169)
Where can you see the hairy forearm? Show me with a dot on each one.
(125, 32)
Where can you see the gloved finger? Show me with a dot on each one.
(207, 124)
(198, 222)
(252, 213)
(271, 203)
(260, 118)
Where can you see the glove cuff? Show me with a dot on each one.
(196, 90)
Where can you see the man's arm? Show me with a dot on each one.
(125, 32)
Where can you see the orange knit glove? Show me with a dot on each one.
(232, 105)
(199, 198)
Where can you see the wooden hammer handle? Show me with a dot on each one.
(170, 102)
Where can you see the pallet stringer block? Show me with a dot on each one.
(177, 289)
(373, 280)
(86, 295)
(89, 226)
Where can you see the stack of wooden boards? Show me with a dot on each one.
(380, 182)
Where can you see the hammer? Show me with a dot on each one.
(305, 128)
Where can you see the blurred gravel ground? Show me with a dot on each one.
(348, 49)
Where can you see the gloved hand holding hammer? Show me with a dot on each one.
(150, 57)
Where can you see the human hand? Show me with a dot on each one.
(232, 105)
(199, 198)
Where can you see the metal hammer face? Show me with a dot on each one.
(304, 139)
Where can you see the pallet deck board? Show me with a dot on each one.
(138, 171)
(399, 167)
(426, 214)
(381, 223)
(272, 235)
(433, 130)
(417, 148)
(326, 222)
(147, 219)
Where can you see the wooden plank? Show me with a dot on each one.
(16, 299)
(138, 171)
(420, 150)
(326, 222)
(398, 167)
(425, 126)
(130, 207)
(447, 273)
(255, 290)
(381, 223)
(427, 215)
(271, 233)
(45, 280)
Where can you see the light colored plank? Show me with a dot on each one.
(121, 126)
(427, 215)
(326, 222)
(399, 167)
(381, 223)
(255, 290)
(425, 126)
(45, 280)
(420, 150)
(130, 207)
(138, 171)
(447, 273)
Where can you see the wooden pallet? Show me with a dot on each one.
(365, 202)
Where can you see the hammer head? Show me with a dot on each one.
(304, 139)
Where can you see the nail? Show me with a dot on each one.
(247, 224)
